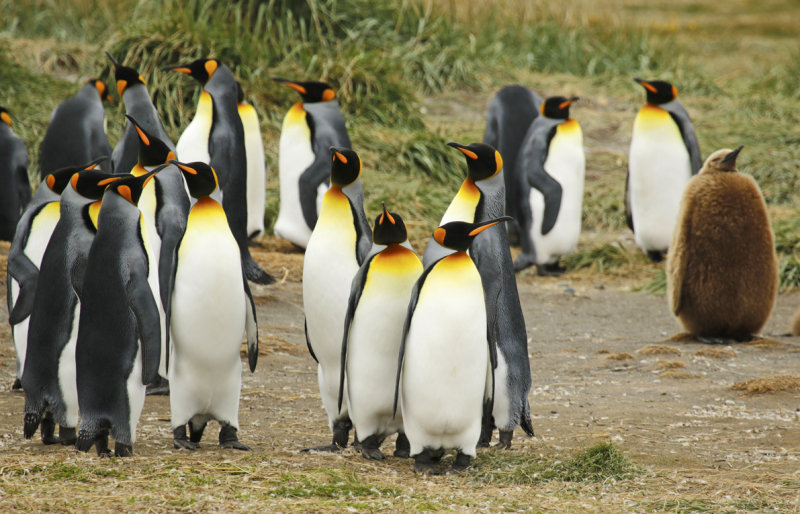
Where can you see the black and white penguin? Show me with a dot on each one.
(16, 191)
(49, 380)
(226, 146)
(553, 165)
(256, 167)
(336, 249)
(664, 155)
(377, 307)
(138, 104)
(211, 308)
(77, 130)
(32, 234)
(119, 335)
(311, 126)
(510, 114)
(481, 198)
(444, 356)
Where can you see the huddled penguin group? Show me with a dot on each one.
(129, 268)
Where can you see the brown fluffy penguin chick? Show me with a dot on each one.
(722, 271)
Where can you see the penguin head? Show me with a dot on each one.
(59, 179)
(658, 91)
(152, 150)
(458, 235)
(130, 187)
(722, 161)
(310, 92)
(91, 183)
(346, 167)
(557, 107)
(239, 92)
(102, 89)
(389, 228)
(483, 161)
(201, 179)
(125, 76)
(4, 116)
(201, 69)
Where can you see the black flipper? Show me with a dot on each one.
(681, 118)
(628, 211)
(251, 327)
(356, 289)
(539, 179)
(308, 341)
(25, 272)
(145, 310)
(309, 182)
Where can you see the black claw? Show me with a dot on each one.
(505, 439)
(229, 438)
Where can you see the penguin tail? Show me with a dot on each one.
(254, 272)
(525, 422)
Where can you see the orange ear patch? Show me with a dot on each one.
(6, 118)
(211, 66)
(121, 85)
(498, 159)
(50, 181)
(674, 92)
(438, 235)
(141, 79)
(328, 95)
(74, 181)
(125, 192)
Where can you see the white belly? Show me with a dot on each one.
(136, 392)
(67, 378)
(296, 155)
(152, 245)
(193, 143)
(256, 171)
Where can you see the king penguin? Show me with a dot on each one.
(49, 380)
(510, 114)
(722, 271)
(32, 234)
(664, 155)
(553, 165)
(16, 191)
(311, 126)
(119, 339)
(224, 138)
(444, 358)
(377, 306)
(481, 198)
(77, 130)
(138, 104)
(336, 249)
(211, 308)
(256, 167)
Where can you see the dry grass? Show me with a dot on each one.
(659, 349)
(668, 365)
(677, 374)
(623, 356)
(716, 353)
(770, 384)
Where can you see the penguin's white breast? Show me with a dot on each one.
(295, 155)
(193, 143)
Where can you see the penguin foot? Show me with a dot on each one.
(66, 435)
(341, 431)
(101, 443)
(17, 385)
(425, 462)
(550, 270)
(372, 454)
(228, 438)
(402, 448)
(180, 441)
(370, 448)
(655, 255)
(159, 387)
(196, 432)
(505, 439)
(122, 450)
(461, 464)
(49, 429)
(523, 261)
(328, 448)
(487, 430)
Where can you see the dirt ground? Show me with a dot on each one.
(604, 369)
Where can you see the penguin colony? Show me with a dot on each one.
(129, 268)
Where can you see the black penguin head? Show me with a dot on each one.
(458, 235)
(239, 92)
(130, 187)
(4, 116)
(483, 161)
(59, 179)
(92, 183)
(658, 91)
(722, 161)
(310, 92)
(125, 76)
(389, 228)
(201, 179)
(557, 107)
(201, 69)
(152, 150)
(102, 89)
(346, 167)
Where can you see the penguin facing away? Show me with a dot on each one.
(16, 192)
(119, 338)
(211, 308)
(32, 234)
(444, 355)
(377, 306)
(664, 155)
(722, 271)
(511, 112)
(336, 249)
(310, 127)
(49, 378)
(480, 198)
(76, 132)
(553, 164)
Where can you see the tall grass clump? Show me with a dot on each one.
(787, 246)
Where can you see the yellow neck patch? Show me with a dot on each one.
(94, 211)
(295, 116)
(463, 206)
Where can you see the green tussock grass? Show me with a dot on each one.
(657, 286)
(330, 484)
(787, 246)
(600, 258)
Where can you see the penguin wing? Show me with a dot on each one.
(628, 210)
(681, 118)
(363, 231)
(21, 174)
(539, 179)
(309, 182)
(356, 288)
(25, 272)
(251, 326)
(308, 341)
(145, 311)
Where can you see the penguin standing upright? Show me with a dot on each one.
(664, 155)
(722, 271)
(49, 380)
(510, 114)
(211, 308)
(310, 127)
(76, 133)
(138, 104)
(338, 246)
(16, 191)
(25, 257)
(481, 198)
(226, 150)
(553, 165)
(445, 354)
(377, 306)
(256, 167)
(119, 338)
